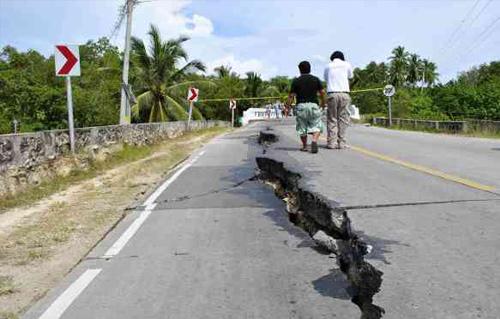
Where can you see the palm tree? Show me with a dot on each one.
(398, 66)
(224, 71)
(253, 84)
(429, 71)
(414, 69)
(160, 78)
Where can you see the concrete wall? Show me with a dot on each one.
(448, 126)
(468, 125)
(28, 158)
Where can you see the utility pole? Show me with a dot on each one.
(423, 79)
(125, 104)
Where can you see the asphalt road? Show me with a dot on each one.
(211, 243)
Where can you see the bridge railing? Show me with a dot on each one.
(448, 126)
(465, 126)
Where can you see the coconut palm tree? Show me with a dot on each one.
(414, 69)
(398, 66)
(429, 71)
(253, 84)
(224, 71)
(160, 78)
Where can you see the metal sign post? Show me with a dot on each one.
(389, 91)
(192, 97)
(15, 122)
(190, 114)
(71, 126)
(390, 109)
(67, 60)
(232, 106)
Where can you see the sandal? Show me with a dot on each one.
(314, 147)
(303, 149)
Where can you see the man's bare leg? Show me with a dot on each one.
(303, 138)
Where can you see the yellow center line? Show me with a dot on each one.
(424, 169)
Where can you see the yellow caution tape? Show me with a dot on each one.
(274, 97)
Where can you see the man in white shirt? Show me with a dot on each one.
(337, 75)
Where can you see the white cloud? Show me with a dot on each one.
(199, 26)
(170, 19)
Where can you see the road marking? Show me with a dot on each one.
(150, 205)
(57, 308)
(151, 199)
(425, 169)
(131, 230)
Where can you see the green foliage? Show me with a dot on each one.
(372, 76)
(31, 93)
(160, 79)
(475, 94)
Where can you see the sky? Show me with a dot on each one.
(272, 36)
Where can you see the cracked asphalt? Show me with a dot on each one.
(218, 245)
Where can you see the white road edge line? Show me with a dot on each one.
(150, 205)
(128, 233)
(57, 308)
(169, 181)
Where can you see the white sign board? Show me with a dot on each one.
(193, 94)
(232, 104)
(389, 90)
(67, 60)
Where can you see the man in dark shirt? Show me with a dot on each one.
(305, 90)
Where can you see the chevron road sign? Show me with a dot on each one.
(67, 60)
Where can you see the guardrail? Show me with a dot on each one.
(465, 126)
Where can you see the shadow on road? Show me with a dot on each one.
(381, 246)
(334, 285)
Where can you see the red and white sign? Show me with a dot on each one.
(232, 104)
(193, 94)
(67, 60)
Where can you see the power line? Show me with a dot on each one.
(480, 12)
(462, 22)
(480, 39)
(476, 17)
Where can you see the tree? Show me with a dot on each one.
(429, 71)
(398, 69)
(415, 69)
(224, 71)
(253, 84)
(372, 76)
(160, 79)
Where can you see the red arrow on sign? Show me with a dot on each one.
(71, 59)
(193, 94)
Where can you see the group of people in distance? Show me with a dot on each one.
(307, 88)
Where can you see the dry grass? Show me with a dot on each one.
(7, 285)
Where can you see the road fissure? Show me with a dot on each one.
(330, 228)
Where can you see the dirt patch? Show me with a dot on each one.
(41, 243)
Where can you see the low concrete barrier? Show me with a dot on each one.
(448, 126)
(28, 158)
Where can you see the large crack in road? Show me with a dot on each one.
(328, 226)
(331, 228)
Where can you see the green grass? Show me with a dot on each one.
(125, 155)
